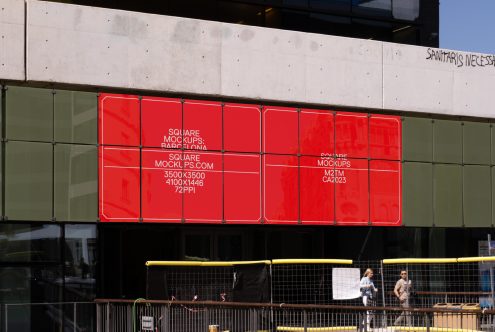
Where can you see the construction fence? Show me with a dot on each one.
(434, 283)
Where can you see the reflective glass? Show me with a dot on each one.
(318, 177)
(28, 181)
(202, 125)
(80, 262)
(162, 180)
(407, 10)
(29, 114)
(76, 183)
(119, 119)
(372, 7)
(242, 188)
(202, 197)
(29, 243)
(352, 192)
(242, 128)
(119, 184)
(351, 134)
(25, 286)
(331, 5)
(280, 128)
(316, 132)
(34, 284)
(385, 193)
(385, 137)
(75, 117)
(280, 189)
(161, 122)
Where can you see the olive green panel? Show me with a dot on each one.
(28, 181)
(447, 141)
(29, 114)
(417, 194)
(76, 183)
(75, 117)
(417, 141)
(477, 196)
(492, 141)
(476, 145)
(447, 195)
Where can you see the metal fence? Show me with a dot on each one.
(56, 316)
(434, 282)
(165, 316)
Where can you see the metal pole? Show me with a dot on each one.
(491, 267)
(384, 320)
(6, 318)
(75, 317)
(305, 317)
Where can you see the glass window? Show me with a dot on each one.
(407, 10)
(75, 117)
(448, 195)
(33, 284)
(333, 5)
(80, 262)
(372, 7)
(417, 139)
(29, 243)
(280, 128)
(417, 194)
(197, 247)
(26, 285)
(240, 13)
(477, 200)
(28, 181)
(29, 114)
(476, 147)
(76, 183)
(447, 138)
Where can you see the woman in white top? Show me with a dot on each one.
(368, 292)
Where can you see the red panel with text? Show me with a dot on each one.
(351, 181)
(316, 132)
(202, 187)
(281, 189)
(119, 119)
(280, 128)
(161, 122)
(202, 125)
(119, 184)
(351, 134)
(162, 180)
(242, 127)
(317, 190)
(242, 185)
(385, 192)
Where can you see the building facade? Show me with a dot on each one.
(129, 137)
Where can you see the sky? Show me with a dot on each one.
(468, 25)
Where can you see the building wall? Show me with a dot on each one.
(97, 47)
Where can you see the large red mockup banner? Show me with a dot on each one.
(169, 160)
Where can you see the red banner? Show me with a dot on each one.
(168, 160)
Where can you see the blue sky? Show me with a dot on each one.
(468, 25)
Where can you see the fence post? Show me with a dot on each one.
(427, 321)
(305, 319)
(6, 317)
(74, 321)
(107, 319)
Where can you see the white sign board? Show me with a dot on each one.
(345, 283)
(147, 323)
